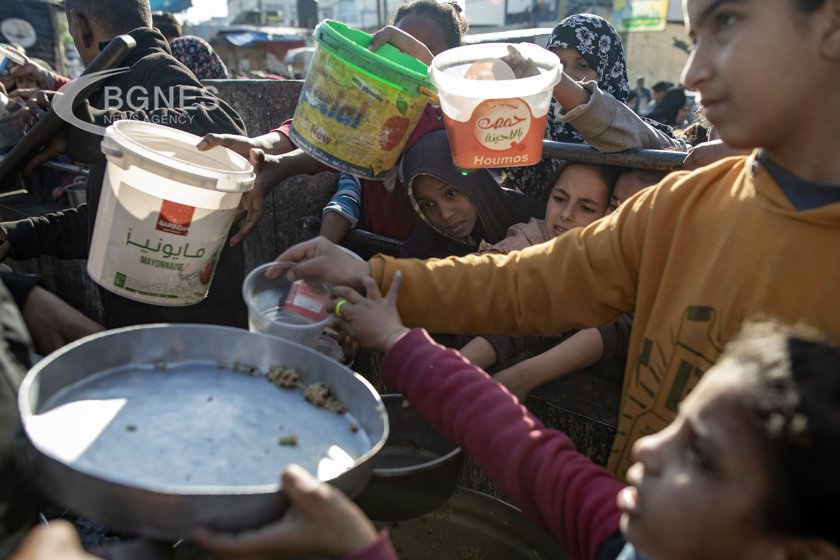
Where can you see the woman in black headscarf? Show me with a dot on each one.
(669, 107)
(589, 103)
(458, 210)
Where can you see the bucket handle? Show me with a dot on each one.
(111, 151)
(236, 187)
(430, 95)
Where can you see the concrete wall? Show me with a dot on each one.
(264, 105)
(653, 55)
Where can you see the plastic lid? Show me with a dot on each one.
(176, 150)
(388, 63)
(448, 68)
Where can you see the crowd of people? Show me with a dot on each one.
(715, 283)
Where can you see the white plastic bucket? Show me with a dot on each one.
(164, 214)
(500, 123)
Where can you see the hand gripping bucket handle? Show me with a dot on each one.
(116, 156)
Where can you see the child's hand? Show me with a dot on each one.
(242, 145)
(707, 153)
(522, 66)
(372, 321)
(58, 541)
(320, 257)
(321, 520)
(403, 41)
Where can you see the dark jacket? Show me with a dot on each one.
(497, 208)
(67, 234)
(18, 505)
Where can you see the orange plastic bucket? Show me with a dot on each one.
(498, 124)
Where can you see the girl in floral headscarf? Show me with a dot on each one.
(589, 104)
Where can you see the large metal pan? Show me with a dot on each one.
(153, 430)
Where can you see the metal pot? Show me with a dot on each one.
(153, 430)
(77, 192)
(473, 525)
(415, 472)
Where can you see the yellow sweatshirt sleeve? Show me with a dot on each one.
(584, 278)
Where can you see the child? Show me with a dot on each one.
(458, 210)
(691, 257)
(632, 180)
(585, 347)
(581, 194)
(747, 469)
(381, 207)
(589, 103)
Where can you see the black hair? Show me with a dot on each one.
(808, 6)
(662, 86)
(668, 108)
(117, 17)
(648, 176)
(446, 14)
(609, 174)
(167, 24)
(794, 408)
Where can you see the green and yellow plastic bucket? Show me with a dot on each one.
(358, 107)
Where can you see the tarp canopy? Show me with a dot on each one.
(250, 38)
(173, 6)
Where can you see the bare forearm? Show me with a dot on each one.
(334, 227)
(480, 352)
(279, 167)
(274, 143)
(569, 94)
(580, 350)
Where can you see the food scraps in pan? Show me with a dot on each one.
(319, 394)
(285, 378)
(290, 439)
(253, 371)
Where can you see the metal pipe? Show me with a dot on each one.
(665, 160)
(373, 240)
(66, 167)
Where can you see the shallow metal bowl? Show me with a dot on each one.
(416, 471)
(153, 430)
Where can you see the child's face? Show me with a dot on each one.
(575, 66)
(26, 82)
(699, 486)
(424, 29)
(444, 206)
(627, 185)
(749, 63)
(579, 197)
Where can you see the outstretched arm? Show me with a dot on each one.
(580, 350)
(539, 468)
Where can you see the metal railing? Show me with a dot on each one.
(661, 160)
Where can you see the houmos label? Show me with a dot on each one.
(501, 124)
(500, 133)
